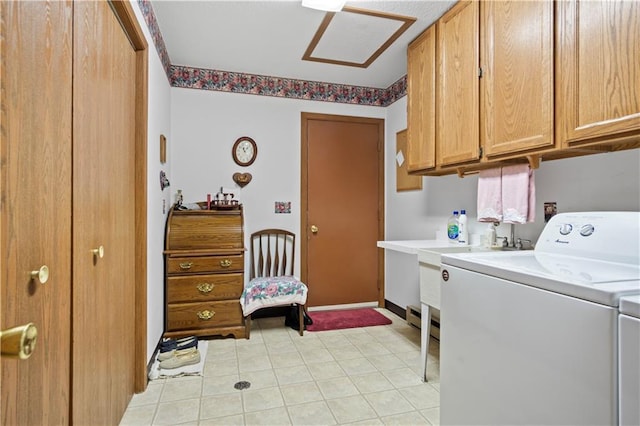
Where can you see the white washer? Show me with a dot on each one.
(629, 360)
(531, 337)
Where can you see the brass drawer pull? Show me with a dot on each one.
(226, 263)
(205, 315)
(186, 265)
(205, 287)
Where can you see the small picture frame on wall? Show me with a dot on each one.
(163, 149)
(283, 207)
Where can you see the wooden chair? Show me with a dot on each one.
(271, 279)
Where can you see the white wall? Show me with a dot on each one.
(159, 122)
(206, 124)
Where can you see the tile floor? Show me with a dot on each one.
(368, 376)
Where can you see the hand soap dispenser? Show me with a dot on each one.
(491, 235)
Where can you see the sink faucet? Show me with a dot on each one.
(512, 242)
(519, 245)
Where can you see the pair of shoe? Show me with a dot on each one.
(181, 357)
(169, 347)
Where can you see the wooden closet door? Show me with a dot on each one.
(35, 208)
(103, 212)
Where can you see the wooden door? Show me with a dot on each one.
(458, 132)
(103, 211)
(35, 209)
(517, 76)
(342, 162)
(421, 103)
(598, 72)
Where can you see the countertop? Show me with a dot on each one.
(412, 246)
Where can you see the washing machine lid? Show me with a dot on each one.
(630, 305)
(597, 281)
(589, 255)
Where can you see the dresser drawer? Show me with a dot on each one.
(202, 288)
(203, 230)
(199, 264)
(183, 316)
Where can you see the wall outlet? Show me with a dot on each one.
(550, 210)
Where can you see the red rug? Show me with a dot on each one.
(346, 318)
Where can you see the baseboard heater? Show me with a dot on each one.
(414, 316)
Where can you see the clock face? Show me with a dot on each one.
(244, 151)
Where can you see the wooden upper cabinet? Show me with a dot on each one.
(421, 103)
(598, 71)
(516, 40)
(458, 130)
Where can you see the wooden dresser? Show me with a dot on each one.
(204, 273)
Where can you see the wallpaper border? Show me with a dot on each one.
(261, 85)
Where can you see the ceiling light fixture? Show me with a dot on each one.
(326, 5)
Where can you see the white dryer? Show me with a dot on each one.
(532, 337)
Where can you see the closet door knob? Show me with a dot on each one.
(314, 229)
(98, 252)
(19, 342)
(41, 274)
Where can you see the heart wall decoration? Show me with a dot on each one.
(242, 179)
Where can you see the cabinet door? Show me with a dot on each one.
(421, 105)
(458, 133)
(517, 76)
(598, 73)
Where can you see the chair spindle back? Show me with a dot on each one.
(272, 253)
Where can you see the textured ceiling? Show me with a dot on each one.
(270, 38)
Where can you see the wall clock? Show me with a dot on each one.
(244, 151)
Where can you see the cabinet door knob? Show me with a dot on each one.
(205, 315)
(226, 263)
(186, 265)
(205, 287)
(41, 274)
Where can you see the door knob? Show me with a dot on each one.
(98, 252)
(19, 342)
(314, 229)
(41, 274)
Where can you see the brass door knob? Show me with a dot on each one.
(98, 252)
(19, 342)
(41, 274)
(314, 229)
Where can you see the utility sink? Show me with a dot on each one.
(432, 256)
(429, 263)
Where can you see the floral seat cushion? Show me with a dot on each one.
(272, 291)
